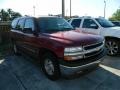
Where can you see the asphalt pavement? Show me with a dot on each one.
(19, 73)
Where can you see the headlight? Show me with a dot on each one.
(73, 53)
(73, 49)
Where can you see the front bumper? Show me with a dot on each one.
(73, 70)
(70, 68)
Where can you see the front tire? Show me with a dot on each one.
(112, 47)
(50, 66)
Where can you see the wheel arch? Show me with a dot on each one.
(57, 73)
(110, 37)
(43, 51)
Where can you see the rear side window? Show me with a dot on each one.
(20, 24)
(14, 23)
(76, 23)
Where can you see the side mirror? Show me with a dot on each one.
(74, 27)
(30, 31)
(27, 30)
(94, 26)
(35, 33)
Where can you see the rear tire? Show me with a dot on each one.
(50, 66)
(112, 46)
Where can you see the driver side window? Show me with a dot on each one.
(29, 26)
(89, 23)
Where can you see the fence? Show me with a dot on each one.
(4, 32)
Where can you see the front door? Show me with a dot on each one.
(90, 26)
(29, 38)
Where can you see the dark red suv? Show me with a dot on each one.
(53, 41)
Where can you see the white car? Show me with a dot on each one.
(101, 27)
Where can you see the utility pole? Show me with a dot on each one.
(34, 10)
(63, 8)
(0, 16)
(104, 8)
(70, 8)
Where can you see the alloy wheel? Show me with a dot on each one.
(112, 47)
(49, 67)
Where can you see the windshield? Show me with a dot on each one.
(53, 24)
(104, 23)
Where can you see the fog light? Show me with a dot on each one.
(70, 58)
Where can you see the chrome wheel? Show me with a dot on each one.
(49, 67)
(112, 47)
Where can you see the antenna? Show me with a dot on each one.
(104, 8)
(34, 10)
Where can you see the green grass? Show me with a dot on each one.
(5, 49)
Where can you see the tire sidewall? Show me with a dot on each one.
(55, 63)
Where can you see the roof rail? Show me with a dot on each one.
(100, 17)
(86, 16)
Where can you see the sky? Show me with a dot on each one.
(93, 8)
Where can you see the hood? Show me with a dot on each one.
(72, 38)
(114, 28)
(112, 31)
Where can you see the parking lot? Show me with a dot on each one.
(18, 73)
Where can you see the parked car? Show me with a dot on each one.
(116, 23)
(100, 26)
(52, 41)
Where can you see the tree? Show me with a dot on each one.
(4, 15)
(115, 16)
(15, 15)
(9, 12)
(8, 15)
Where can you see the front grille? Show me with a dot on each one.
(84, 61)
(93, 46)
(93, 50)
(93, 53)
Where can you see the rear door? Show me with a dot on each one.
(90, 26)
(13, 29)
(17, 34)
